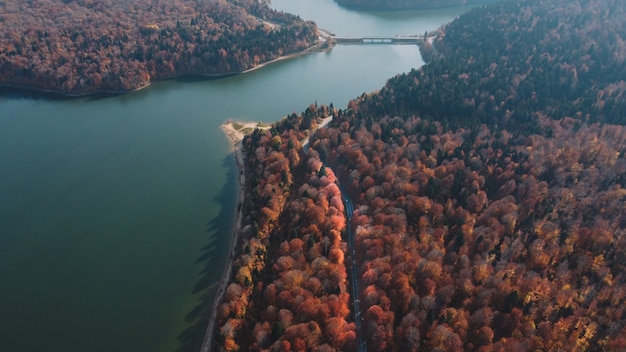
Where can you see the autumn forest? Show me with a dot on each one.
(488, 189)
(488, 185)
(78, 47)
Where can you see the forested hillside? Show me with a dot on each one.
(488, 189)
(489, 185)
(408, 4)
(476, 239)
(81, 46)
(289, 290)
(505, 63)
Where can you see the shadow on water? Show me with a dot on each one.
(18, 92)
(220, 230)
(190, 78)
(38, 94)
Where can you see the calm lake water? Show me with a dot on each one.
(112, 208)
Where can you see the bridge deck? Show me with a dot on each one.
(378, 40)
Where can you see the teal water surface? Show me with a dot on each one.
(110, 208)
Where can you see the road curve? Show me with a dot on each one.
(354, 278)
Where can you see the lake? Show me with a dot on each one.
(111, 209)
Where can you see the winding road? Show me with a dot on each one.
(354, 278)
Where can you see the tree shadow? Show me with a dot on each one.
(213, 258)
(10, 92)
(190, 78)
(26, 93)
(32, 93)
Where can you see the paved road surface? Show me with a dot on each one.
(354, 278)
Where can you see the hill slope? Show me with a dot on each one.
(504, 63)
(79, 47)
(488, 189)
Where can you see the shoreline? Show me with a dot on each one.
(382, 8)
(235, 132)
(320, 46)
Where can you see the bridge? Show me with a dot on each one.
(417, 39)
